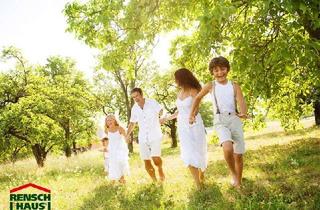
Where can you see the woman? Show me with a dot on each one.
(192, 137)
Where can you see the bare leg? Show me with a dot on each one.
(195, 174)
(150, 169)
(158, 162)
(122, 180)
(239, 168)
(201, 175)
(228, 156)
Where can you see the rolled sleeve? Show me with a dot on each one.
(156, 106)
(134, 116)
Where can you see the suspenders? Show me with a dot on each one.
(216, 101)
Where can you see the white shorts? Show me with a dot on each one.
(229, 127)
(150, 149)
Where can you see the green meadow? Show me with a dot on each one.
(282, 171)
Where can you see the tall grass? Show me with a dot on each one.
(282, 171)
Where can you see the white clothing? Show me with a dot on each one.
(150, 149)
(118, 156)
(148, 120)
(225, 97)
(193, 144)
(227, 124)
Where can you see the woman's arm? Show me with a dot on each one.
(197, 99)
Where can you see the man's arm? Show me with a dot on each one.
(196, 102)
(130, 128)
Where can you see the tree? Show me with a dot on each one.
(162, 89)
(42, 108)
(115, 28)
(273, 47)
(22, 104)
(73, 101)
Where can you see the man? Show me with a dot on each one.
(146, 112)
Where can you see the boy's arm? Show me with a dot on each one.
(196, 102)
(241, 102)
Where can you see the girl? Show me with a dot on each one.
(117, 149)
(192, 137)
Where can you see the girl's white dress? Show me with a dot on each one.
(118, 156)
(193, 144)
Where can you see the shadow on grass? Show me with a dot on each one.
(288, 177)
(117, 197)
(208, 198)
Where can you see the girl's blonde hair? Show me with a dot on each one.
(105, 123)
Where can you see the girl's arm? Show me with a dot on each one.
(197, 99)
(241, 102)
(122, 131)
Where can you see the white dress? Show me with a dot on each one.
(118, 156)
(193, 144)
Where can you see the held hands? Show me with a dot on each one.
(242, 116)
(162, 120)
(128, 138)
(192, 119)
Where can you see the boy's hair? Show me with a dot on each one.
(105, 139)
(219, 61)
(136, 89)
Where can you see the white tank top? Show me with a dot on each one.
(224, 96)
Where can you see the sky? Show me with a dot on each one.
(37, 27)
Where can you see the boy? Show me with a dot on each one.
(105, 142)
(225, 97)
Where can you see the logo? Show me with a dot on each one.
(19, 201)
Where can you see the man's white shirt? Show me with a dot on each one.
(148, 120)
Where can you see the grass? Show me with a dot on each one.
(282, 171)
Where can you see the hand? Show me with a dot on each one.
(162, 120)
(242, 116)
(128, 139)
(192, 119)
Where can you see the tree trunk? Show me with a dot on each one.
(173, 133)
(74, 147)
(316, 106)
(67, 147)
(67, 150)
(39, 153)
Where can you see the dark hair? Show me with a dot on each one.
(136, 89)
(105, 139)
(186, 79)
(218, 61)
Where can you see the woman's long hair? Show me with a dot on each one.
(186, 79)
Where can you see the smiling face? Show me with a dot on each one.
(220, 73)
(137, 97)
(110, 121)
